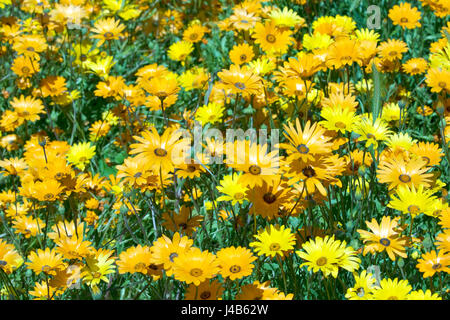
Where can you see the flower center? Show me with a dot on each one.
(243, 57)
(436, 266)
(404, 178)
(30, 49)
(240, 85)
(108, 35)
(340, 125)
(271, 38)
(302, 148)
(160, 152)
(153, 267)
(3, 263)
(25, 70)
(385, 242)
(360, 292)
(49, 196)
(205, 295)
(46, 268)
(309, 172)
(173, 256)
(269, 198)
(392, 298)
(404, 20)
(413, 209)
(193, 36)
(138, 175)
(196, 272)
(274, 246)
(255, 170)
(97, 275)
(321, 261)
(239, 196)
(442, 84)
(235, 269)
(191, 168)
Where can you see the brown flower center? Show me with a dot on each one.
(436, 266)
(205, 295)
(404, 20)
(243, 57)
(404, 178)
(196, 272)
(309, 172)
(321, 261)
(340, 125)
(271, 38)
(235, 269)
(25, 70)
(442, 84)
(240, 85)
(160, 152)
(108, 35)
(413, 209)
(49, 196)
(269, 198)
(274, 246)
(427, 160)
(385, 242)
(139, 267)
(3, 263)
(302, 148)
(172, 256)
(255, 170)
(239, 196)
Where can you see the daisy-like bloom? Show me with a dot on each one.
(135, 171)
(25, 67)
(413, 201)
(164, 250)
(135, 260)
(316, 41)
(98, 129)
(363, 288)
(268, 199)
(211, 113)
(415, 66)
(47, 190)
(30, 45)
(271, 39)
(274, 241)
(241, 19)
(13, 166)
(183, 222)
(315, 174)
(43, 291)
(68, 14)
(340, 100)
(10, 260)
(438, 80)
(393, 113)
(195, 266)
(327, 255)
(207, 290)
(241, 54)
(241, 80)
(306, 143)
(101, 66)
(405, 16)
(286, 18)
(80, 154)
(107, 29)
(342, 53)
(112, 87)
(98, 265)
(48, 261)
(180, 50)
(371, 132)
(28, 226)
(253, 160)
(397, 171)
(262, 66)
(261, 291)
(392, 290)
(384, 237)
(53, 86)
(194, 33)
(73, 248)
(232, 189)
(392, 49)
(28, 108)
(421, 295)
(338, 119)
(235, 263)
(432, 262)
(161, 152)
(195, 78)
(428, 151)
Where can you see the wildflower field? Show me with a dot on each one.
(235, 150)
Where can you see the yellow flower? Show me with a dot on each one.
(179, 51)
(274, 241)
(80, 154)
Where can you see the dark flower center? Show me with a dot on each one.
(385, 242)
(269, 198)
